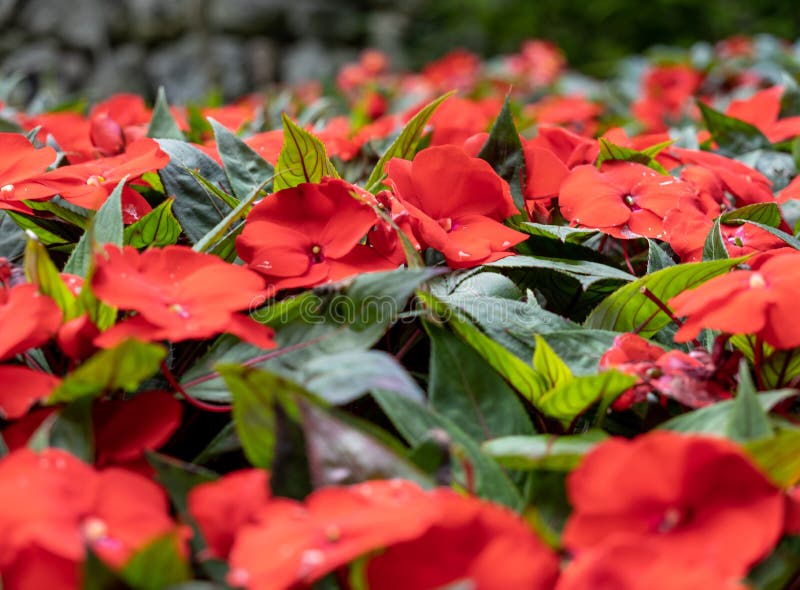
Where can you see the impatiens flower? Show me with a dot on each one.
(759, 301)
(89, 184)
(763, 110)
(636, 566)
(53, 508)
(457, 204)
(691, 497)
(477, 543)
(222, 507)
(459, 118)
(22, 388)
(575, 113)
(20, 162)
(178, 294)
(622, 199)
(666, 96)
(538, 63)
(693, 379)
(27, 319)
(305, 541)
(310, 234)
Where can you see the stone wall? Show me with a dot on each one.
(94, 48)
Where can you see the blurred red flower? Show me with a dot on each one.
(690, 497)
(20, 164)
(466, 544)
(53, 507)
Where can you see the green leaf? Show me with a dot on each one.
(554, 371)
(778, 456)
(245, 169)
(563, 233)
(467, 391)
(106, 227)
(49, 231)
(580, 349)
(779, 569)
(69, 428)
(733, 136)
(415, 421)
(764, 213)
(40, 270)
(748, 420)
(157, 229)
(123, 367)
(66, 211)
(341, 378)
(714, 246)
(503, 150)
(220, 230)
(543, 451)
(611, 151)
(302, 159)
(629, 310)
(405, 146)
(162, 124)
(569, 400)
(519, 374)
(196, 207)
(158, 565)
(341, 453)
(778, 367)
(584, 271)
(715, 419)
(255, 397)
(350, 316)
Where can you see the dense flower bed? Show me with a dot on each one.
(492, 325)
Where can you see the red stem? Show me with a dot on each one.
(627, 257)
(758, 358)
(175, 384)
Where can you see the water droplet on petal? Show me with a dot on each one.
(462, 254)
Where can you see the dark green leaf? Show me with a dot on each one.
(629, 310)
(162, 124)
(780, 569)
(157, 229)
(344, 377)
(302, 159)
(583, 271)
(197, 208)
(765, 213)
(415, 421)
(543, 451)
(49, 231)
(714, 246)
(733, 136)
(178, 478)
(503, 150)
(106, 227)
(246, 170)
(341, 453)
(467, 391)
(405, 146)
(123, 367)
(12, 238)
(563, 233)
(70, 428)
(611, 151)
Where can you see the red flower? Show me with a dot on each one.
(466, 544)
(623, 199)
(666, 95)
(759, 301)
(23, 387)
(335, 525)
(458, 118)
(692, 379)
(575, 113)
(457, 203)
(222, 507)
(691, 497)
(28, 319)
(54, 507)
(310, 234)
(634, 566)
(20, 163)
(179, 294)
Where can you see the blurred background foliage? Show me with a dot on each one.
(592, 33)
